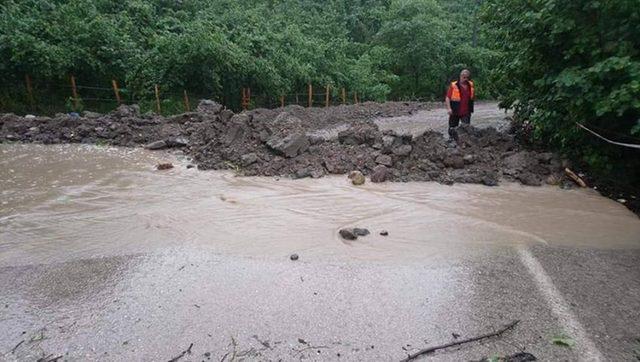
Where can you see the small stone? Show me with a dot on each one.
(454, 161)
(294, 257)
(156, 145)
(403, 150)
(190, 166)
(384, 233)
(248, 159)
(468, 159)
(380, 174)
(209, 106)
(177, 141)
(384, 160)
(29, 116)
(356, 177)
(348, 234)
(622, 201)
(361, 231)
(552, 180)
(164, 166)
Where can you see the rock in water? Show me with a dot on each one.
(384, 233)
(348, 234)
(356, 177)
(294, 257)
(164, 166)
(361, 231)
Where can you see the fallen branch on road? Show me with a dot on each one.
(188, 350)
(457, 343)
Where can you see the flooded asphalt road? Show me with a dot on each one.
(104, 258)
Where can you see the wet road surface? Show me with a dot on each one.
(486, 114)
(104, 258)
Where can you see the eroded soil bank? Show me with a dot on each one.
(301, 142)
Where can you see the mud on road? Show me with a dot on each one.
(311, 142)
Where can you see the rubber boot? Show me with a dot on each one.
(453, 134)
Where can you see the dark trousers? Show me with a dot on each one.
(454, 121)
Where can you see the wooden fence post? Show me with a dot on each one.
(246, 98)
(355, 97)
(187, 105)
(116, 91)
(74, 91)
(281, 101)
(326, 97)
(310, 95)
(344, 96)
(157, 99)
(27, 79)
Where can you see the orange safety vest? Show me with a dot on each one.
(455, 96)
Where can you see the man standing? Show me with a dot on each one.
(459, 102)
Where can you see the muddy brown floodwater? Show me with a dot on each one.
(67, 201)
(105, 258)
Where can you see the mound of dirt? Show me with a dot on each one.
(303, 142)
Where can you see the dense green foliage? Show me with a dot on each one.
(379, 48)
(564, 62)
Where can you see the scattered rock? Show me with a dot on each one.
(126, 111)
(403, 150)
(88, 114)
(29, 116)
(348, 234)
(289, 146)
(164, 166)
(356, 177)
(360, 231)
(179, 141)
(384, 233)
(380, 174)
(190, 166)
(248, 159)
(384, 160)
(552, 180)
(454, 161)
(156, 145)
(294, 257)
(468, 159)
(209, 106)
(529, 179)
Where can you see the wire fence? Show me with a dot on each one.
(47, 99)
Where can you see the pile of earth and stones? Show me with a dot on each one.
(303, 142)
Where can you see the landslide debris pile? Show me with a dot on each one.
(302, 142)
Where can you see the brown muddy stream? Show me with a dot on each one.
(74, 201)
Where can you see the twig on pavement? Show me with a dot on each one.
(457, 343)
